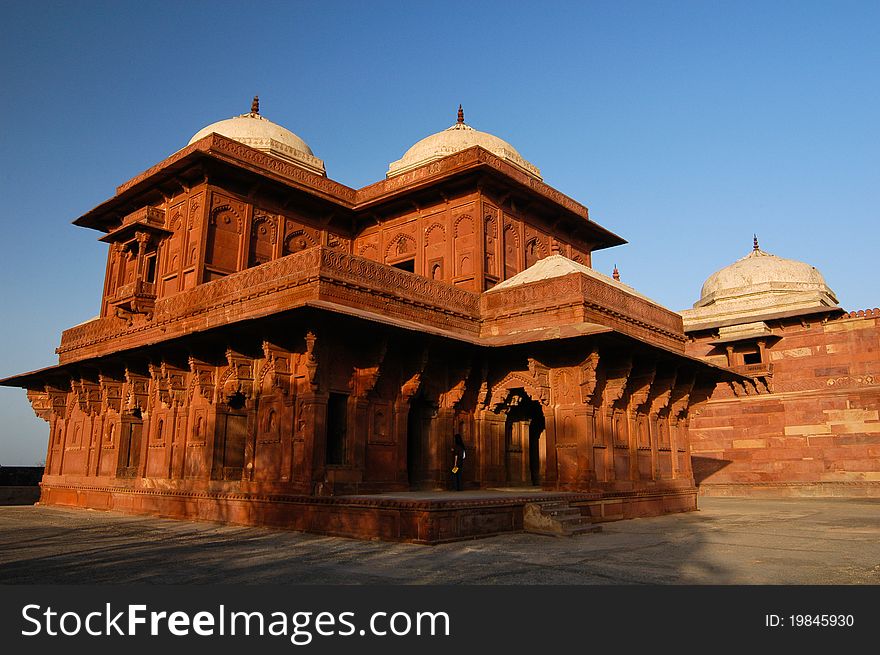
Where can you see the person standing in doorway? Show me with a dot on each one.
(458, 456)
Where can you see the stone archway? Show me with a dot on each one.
(525, 440)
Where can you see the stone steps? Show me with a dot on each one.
(557, 518)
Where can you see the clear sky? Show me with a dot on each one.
(685, 127)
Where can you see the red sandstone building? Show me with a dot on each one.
(805, 420)
(274, 347)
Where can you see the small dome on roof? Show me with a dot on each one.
(760, 273)
(759, 286)
(454, 139)
(260, 133)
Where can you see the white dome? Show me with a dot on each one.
(760, 273)
(454, 139)
(262, 134)
(758, 287)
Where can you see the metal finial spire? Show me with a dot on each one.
(255, 105)
(616, 274)
(460, 114)
(755, 242)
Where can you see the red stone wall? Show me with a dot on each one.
(818, 432)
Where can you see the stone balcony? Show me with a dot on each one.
(754, 370)
(138, 297)
(318, 277)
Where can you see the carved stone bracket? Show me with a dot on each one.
(661, 393)
(449, 399)
(275, 370)
(615, 382)
(87, 395)
(640, 387)
(681, 394)
(412, 385)
(238, 377)
(41, 404)
(363, 379)
(483, 395)
(589, 376)
(203, 380)
(170, 384)
(541, 376)
(111, 393)
(137, 392)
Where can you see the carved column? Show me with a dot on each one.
(640, 388)
(658, 404)
(615, 386)
(361, 384)
(584, 419)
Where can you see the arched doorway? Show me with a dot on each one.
(525, 441)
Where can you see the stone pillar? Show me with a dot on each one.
(314, 419)
(583, 421)
(549, 476)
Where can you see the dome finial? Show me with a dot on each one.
(616, 274)
(755, 242)
(255, 105)
(460, 115)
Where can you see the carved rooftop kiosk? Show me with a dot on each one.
(277, 348)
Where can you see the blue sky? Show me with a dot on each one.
(685, 127)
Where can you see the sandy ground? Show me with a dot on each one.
(728, 541)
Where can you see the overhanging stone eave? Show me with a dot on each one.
(217, 147)
(725, 374)
(697, 325)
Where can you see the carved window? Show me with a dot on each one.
(511, 252)
(150, 267)
(752, 356)
(533, 252)
(262, 241)
(221, 250)
(408, 265)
